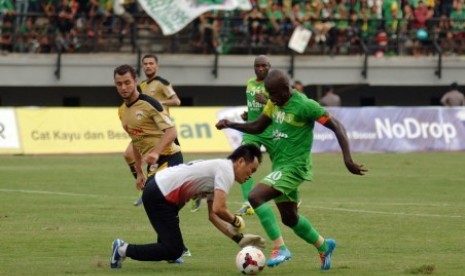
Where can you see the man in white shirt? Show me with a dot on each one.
(453, 97)
(169, 190)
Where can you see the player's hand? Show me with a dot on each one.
(140, 181)
(151, 158)
(238, 223)
(251, 239)
(222, 124)
(245, 115)
(355, 168)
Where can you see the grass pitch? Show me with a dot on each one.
(59, 215)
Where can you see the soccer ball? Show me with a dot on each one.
(250, 260)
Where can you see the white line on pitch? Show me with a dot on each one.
(384, 213)
(306, 206)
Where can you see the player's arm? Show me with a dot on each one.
(255, 127)
(169, 135)
(225, 226)
(172, 97)
(172, 101)
(140, 180)
(341, 135)
(219, 215)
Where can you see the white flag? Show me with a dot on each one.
(299, 39)
(173, 15)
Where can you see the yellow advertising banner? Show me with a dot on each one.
(71, 130)
(196, 129)
(98, 130)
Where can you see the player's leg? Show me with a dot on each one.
(163, 162)
(246, 187)
(246, 209)
(287, 206)
(165, 221)
(131, 161)
(259, 197)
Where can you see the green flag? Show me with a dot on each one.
(172, 16)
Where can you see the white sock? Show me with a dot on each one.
(122, 250)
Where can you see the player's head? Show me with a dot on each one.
(327, 88)
(150, 65)
(246, 159)
(454, 85)
(125, 81)
(298, 86)
(261, 67)
(277, 85)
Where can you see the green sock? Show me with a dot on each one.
(323, 247)
(305, 231)
(268, 221)
(246, 187)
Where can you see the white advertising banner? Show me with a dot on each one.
(9, 139)
(172, 16)
(385, 129)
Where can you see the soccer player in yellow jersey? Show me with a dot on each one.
(161, 90)
(150, 128)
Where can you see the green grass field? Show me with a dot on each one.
(59, 215)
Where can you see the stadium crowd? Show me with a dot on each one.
(382, 27)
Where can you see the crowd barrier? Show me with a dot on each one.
(98, 130)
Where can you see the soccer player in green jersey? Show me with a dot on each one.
(292, 117)
(256, 100)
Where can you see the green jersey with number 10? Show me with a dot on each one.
(292, 130)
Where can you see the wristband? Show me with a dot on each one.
(237, 238)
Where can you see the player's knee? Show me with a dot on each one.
(289, 217)
(290, 220)
(174, 251)
(254, 200)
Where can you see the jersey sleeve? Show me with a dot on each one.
(224, 177)
(168, 90)
(162, 119)
(316, 112)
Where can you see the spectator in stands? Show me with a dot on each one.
(208, 28)
(329, 97)
(453, 97)
(421, 16)
(255, 21)
(457, 17)
(7, 13)
(277, 25)
(66, 37)
(444, 35)
(126, 18)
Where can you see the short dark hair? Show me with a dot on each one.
(123, 69)
(327, 87)
(454, 85)
(248, 152)
(150, 56)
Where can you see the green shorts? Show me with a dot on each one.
(286, 180)
(258, 141)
